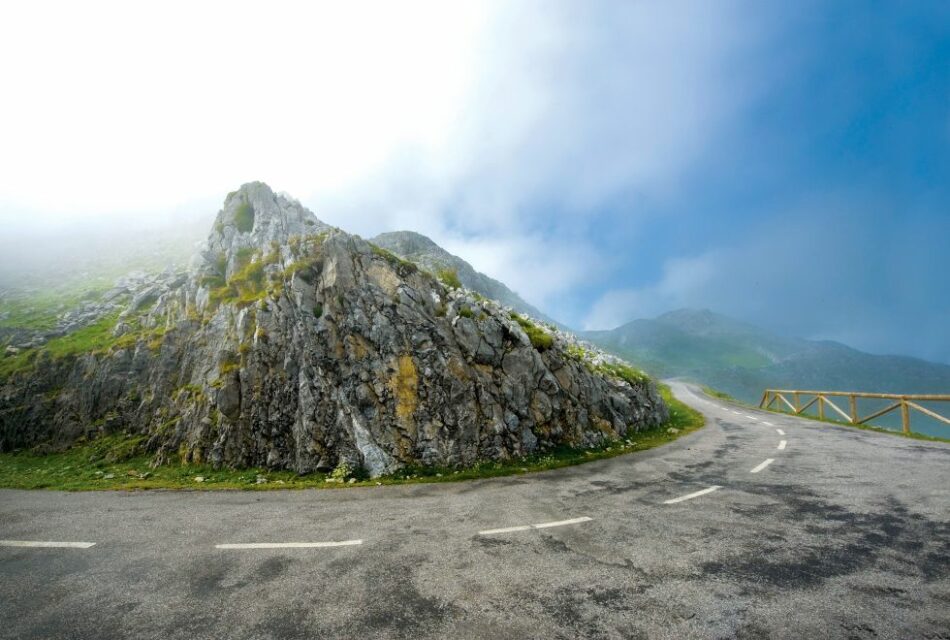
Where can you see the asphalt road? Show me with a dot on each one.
(846, 534)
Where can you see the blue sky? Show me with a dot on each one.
(786, 163)
(819, 201)
(824, 210)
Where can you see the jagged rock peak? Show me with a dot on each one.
(254, 217)
(409, 242)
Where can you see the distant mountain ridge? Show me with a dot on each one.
(743, 360)
(420, 249)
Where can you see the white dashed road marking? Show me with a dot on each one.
(489, 532)
(54, 545)
(690, 496)
(781, 445)
(288, 545)
(763, 465)
(543, 525)
(780, 432)
(561, 523)
(767, 424)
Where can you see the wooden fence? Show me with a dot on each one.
(904, 403)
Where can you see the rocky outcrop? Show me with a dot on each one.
(294, 345)
(430, 256)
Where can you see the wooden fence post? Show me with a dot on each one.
(904, 402)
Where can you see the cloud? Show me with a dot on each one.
(538, 268)
(841, 267)
(572, 104)
(132, 108)
(684, 282)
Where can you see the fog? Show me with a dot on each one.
(608, 161)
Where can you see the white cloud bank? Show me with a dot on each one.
(492, 127)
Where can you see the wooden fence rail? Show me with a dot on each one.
(904, 403)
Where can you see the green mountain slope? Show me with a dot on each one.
(743, 360)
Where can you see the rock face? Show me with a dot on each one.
(294, 345)
(431, 257)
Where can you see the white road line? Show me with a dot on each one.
(288, 545)
(763, 465)
(690, 496)
(57, 545)
(780, 432)
(767, 424)
(561, 523)
(527, 527)
(750, 417)
(491, 532)
(781, 445)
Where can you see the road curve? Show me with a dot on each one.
(757, 526)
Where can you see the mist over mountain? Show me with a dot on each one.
(743, 360)
(428, 255)
(78, 254)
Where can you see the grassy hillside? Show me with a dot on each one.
(743, 360)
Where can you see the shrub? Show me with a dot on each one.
(244, 217)
(449, 278)
(342, 472)
(221, 263)
(403, 267)
(244, 255)
(540, 339)
(466, 312)
(317, 310)
(625, 373)
(245, 287)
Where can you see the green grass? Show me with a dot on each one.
(450, 278)
(95, 337)
(40, 312)
(722, 395)
(403, 267)
(16, 363)
(118, 462)
(624, 372)
(246, 286)
(540, 339)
